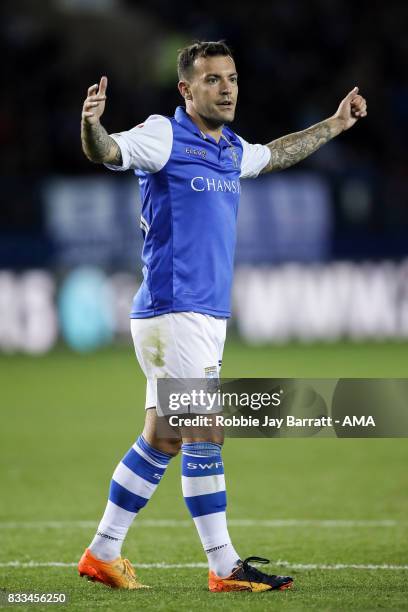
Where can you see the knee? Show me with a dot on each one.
(170, 446)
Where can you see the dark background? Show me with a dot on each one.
(296, 61)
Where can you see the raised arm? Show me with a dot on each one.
(97, 145)
(291, 149)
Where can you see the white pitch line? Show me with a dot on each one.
(273, 523)
(339, 566)
(279, 563)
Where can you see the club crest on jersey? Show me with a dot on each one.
(199, 152)
(234, 156)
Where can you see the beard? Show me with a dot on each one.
(216, 122)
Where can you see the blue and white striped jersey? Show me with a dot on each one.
(190, 188)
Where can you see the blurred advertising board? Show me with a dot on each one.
(96, 220)
(87, 307)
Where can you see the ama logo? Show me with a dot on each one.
(363, 421)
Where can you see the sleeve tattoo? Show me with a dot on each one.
(291, 149)
(98, 146)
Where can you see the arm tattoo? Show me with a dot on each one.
(98, 146)
(291, 149)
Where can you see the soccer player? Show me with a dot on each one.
(189, 168)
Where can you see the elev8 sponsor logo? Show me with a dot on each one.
(192, 151)
(202, 183)
(204, 466)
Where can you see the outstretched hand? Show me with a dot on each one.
(352, 108)
(94, 104)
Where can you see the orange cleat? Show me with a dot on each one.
(247, 578)
(118, 574)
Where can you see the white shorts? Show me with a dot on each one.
(178, 345)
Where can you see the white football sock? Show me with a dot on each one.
(133, 483)
(204, 493)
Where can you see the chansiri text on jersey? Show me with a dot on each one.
(201, 183)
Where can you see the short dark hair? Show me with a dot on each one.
(187, 56)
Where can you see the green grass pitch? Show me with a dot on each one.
(67, 419)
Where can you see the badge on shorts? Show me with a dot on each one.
(211, 372)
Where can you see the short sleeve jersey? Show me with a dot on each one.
(190, 189)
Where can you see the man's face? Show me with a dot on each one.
(214, 89)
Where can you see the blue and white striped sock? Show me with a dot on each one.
(203, 485)
(133, 483)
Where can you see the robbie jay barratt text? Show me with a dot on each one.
(249, 421)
